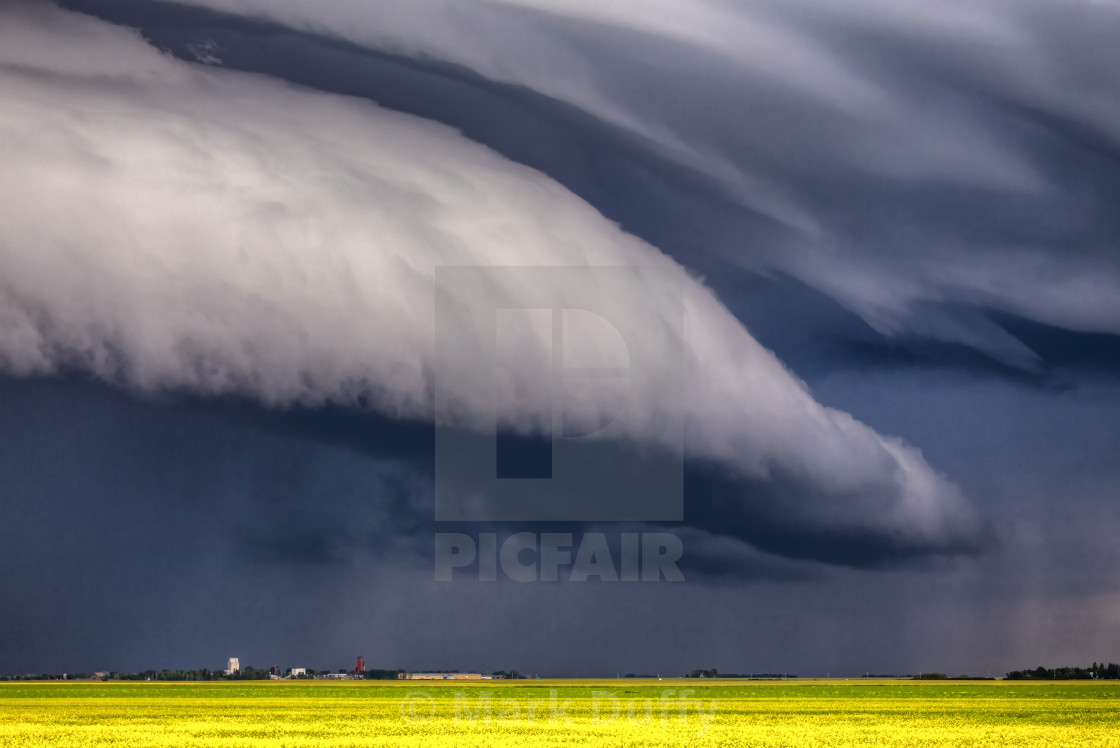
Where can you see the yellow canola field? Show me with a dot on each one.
(535, 714)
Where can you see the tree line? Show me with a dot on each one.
(713, 673)
(1098, 670)
(246, 673)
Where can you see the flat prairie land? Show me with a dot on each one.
(539, 713)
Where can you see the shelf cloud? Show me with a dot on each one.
(180, 227)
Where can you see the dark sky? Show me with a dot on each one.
(878, 342)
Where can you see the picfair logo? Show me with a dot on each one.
(584, 370)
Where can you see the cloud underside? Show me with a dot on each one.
(177, 227)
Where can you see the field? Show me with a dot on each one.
(561, 713)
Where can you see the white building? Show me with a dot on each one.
(299, 671)
(232, 666)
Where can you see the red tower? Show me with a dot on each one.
(360, 666)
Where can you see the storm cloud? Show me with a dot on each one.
(920, 162)
(231, 235)
(893, 227)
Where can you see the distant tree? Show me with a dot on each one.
(378, 674)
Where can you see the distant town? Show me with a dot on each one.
(234, 671)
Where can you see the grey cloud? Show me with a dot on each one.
(921, 160)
